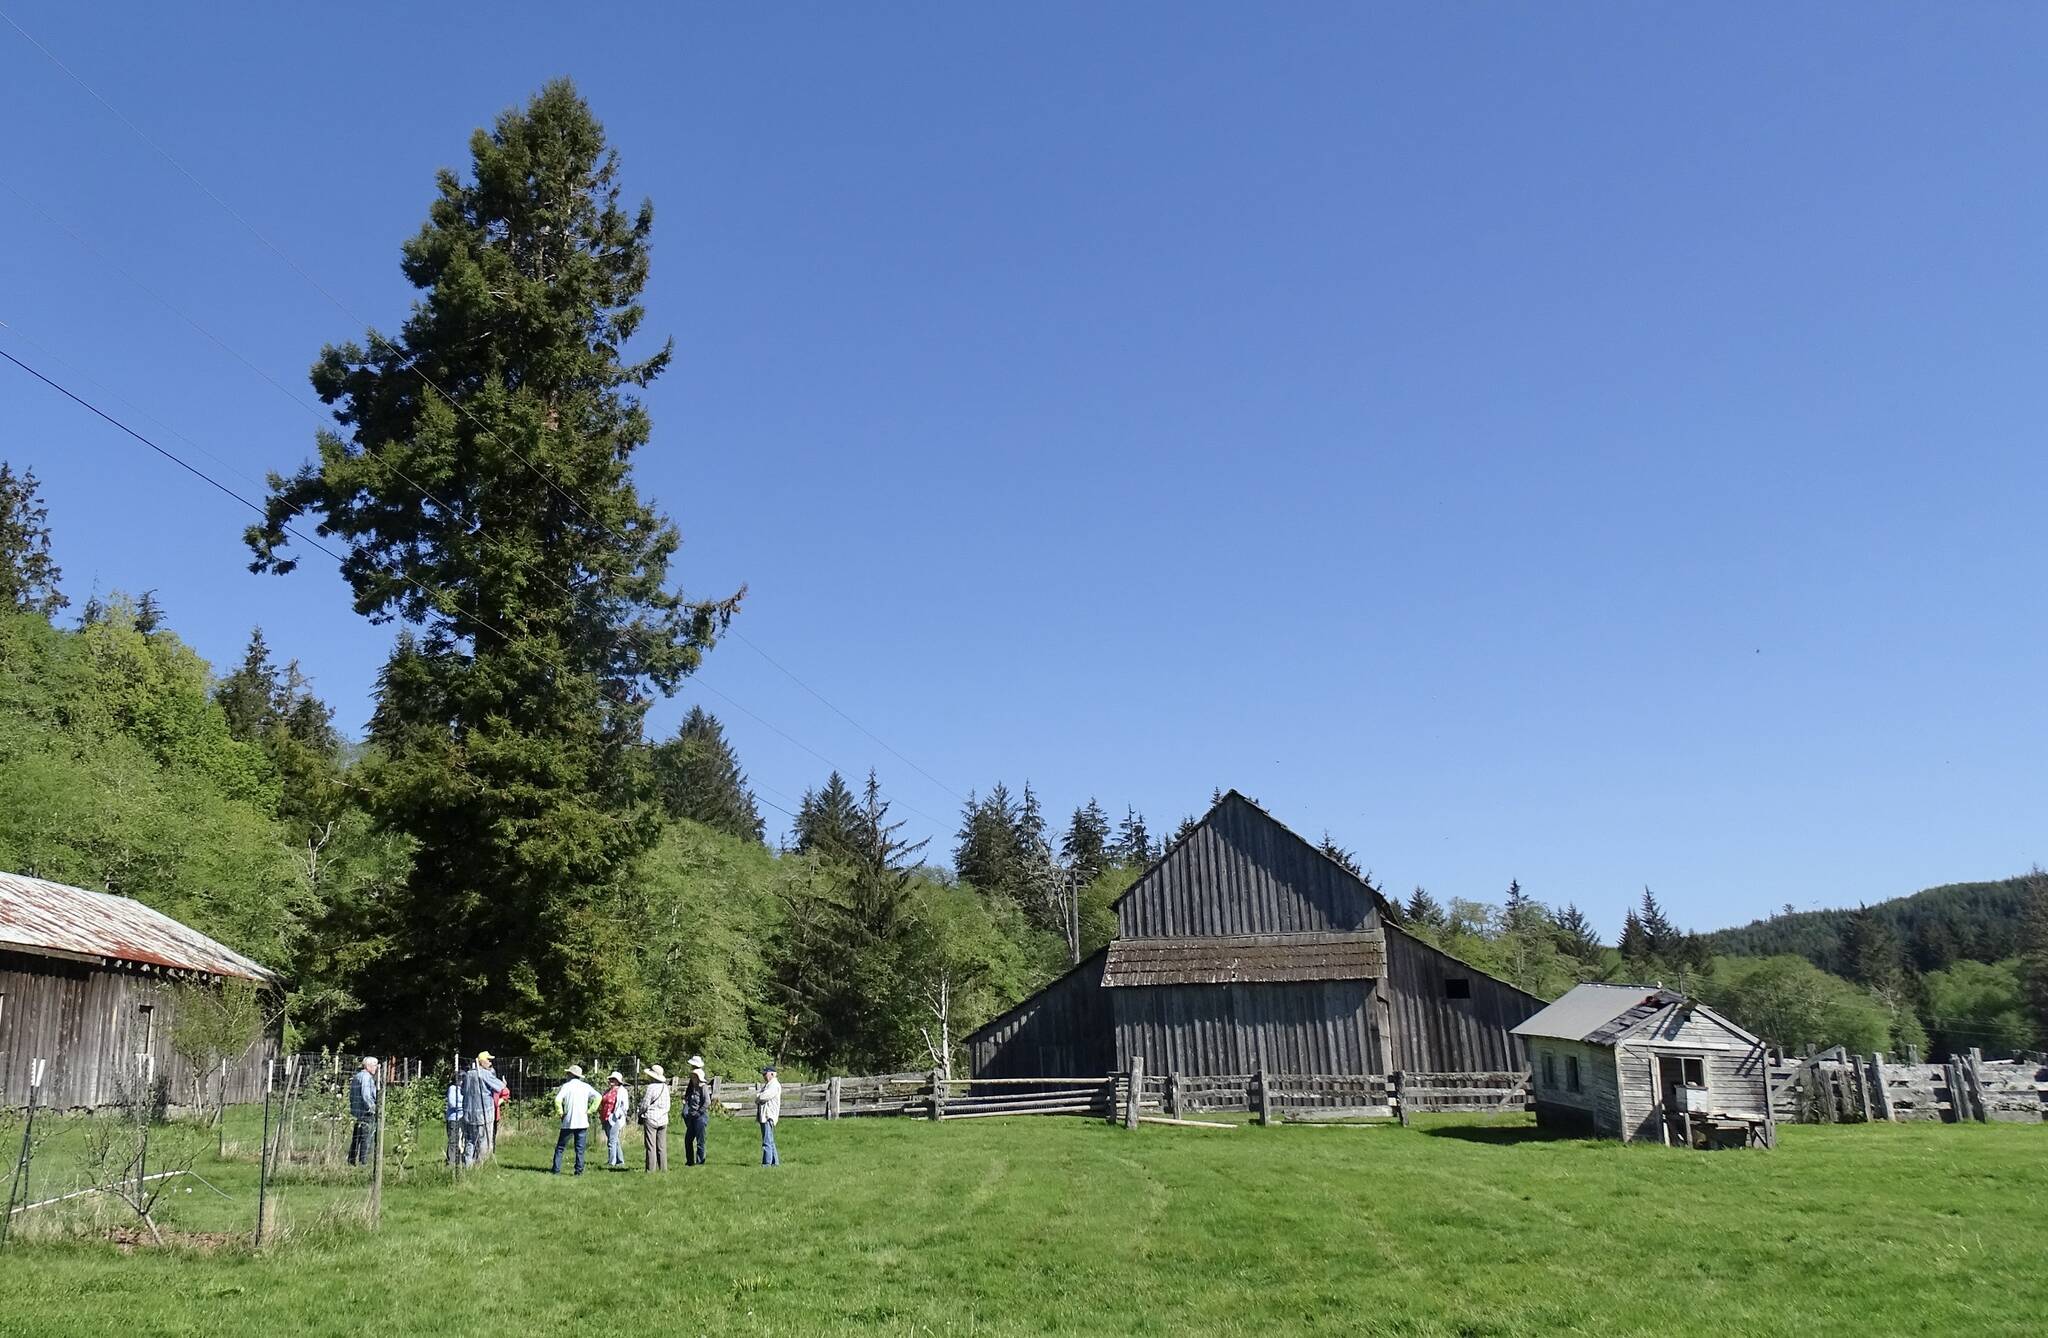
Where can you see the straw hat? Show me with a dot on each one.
(575, 1070)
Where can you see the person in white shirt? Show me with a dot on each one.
(654, 1118)
(574, 1102)
(768, 1109)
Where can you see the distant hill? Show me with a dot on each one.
(1977, 921)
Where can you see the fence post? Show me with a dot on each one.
(831, 1098)
(1265, 1097)
(1173, 1095)
(1134, 1092)
(1975, 1077)
(377, 1160)
(263, 1156)
(1400, 1095)
(938, 1095)
(1878, 1090)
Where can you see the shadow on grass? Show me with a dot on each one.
(1500, 1134)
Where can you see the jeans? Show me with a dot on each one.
(476, 1142)
(657, 1146)
(693, 1139)
(360, 1144)
(768, 1157)
(456, 1153)
(582, 1137)
(613, 1131)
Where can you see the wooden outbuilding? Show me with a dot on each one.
(1641, 1062)
(1243, 949)
(86, 986)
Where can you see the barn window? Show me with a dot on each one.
(1571, 1072)
(1457, 987)
(1550, 1070)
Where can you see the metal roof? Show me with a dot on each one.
(1244, 958)
(53, 920)
(1587, 1011)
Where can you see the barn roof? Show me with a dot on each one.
(1598, 1013)
(1245, 958)
(52, 920)
(1316, 852)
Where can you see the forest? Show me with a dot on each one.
(504, 858)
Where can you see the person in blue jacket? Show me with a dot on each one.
(362, 1108)
(453, 1115)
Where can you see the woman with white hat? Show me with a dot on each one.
(654, 1118)
(696, 1113)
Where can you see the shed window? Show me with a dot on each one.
(1550, 1070)
(1457, 987)
(1571, 1072)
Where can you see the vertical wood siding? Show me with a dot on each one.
(1595, 1107)
(1241, 872)
(1736, 1079)
(1433, 1033)
(87, 1024)
(1063, 1031)
(1295, 1027)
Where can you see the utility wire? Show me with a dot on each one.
(412, 365)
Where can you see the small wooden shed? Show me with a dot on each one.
(1642, 1062)
(85, 983)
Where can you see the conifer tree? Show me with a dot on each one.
(700, 778)
(1423, 910)
(1187, 827)
(1577, 935)
(1660, 936)
(828, 821)
(987, 856)
(246, 696)
(1133, 842)
(1338, 853)
(1634, 943)
(2033, 945)
(483, 495)
(28, 575)
(1085, 847)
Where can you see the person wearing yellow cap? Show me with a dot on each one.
(480, 1088)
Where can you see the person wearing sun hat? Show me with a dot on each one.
(768, 1109)
(480, 1088)
(696, 1113)
(574, 1102)
(654, 1118)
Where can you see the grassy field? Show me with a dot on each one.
(1067, 1226)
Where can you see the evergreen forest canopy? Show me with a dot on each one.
(507, 860)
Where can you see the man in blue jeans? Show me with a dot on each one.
(768, 1109)
(574, 1100)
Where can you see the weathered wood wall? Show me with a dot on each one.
(1429, 1030)
(1242, 872)
(1733, 1067)
(1595, 1107)
(87, 1024)
(1318, 1026)
(1063, 1031)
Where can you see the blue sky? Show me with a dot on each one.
(1594, 445)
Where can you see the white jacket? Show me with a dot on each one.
(654, 1105)
(768, 1101)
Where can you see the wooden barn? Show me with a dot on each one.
(1245, 948)
(1639, 1062)
(85, 986)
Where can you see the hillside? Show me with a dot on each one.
(1940, 925)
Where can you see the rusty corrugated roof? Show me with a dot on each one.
(38, 916)
(1245, 959)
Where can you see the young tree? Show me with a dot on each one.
(700, 778)
(1186, 828)
(484, 496)
(28, 575)
(1660, 936)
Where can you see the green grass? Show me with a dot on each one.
(1063, 1225)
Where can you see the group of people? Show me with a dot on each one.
(577, 1102)
(476, 1100)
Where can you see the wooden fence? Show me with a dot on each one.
(1857, 1088)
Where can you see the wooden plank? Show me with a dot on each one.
(1134, 1094)
(1184, 1124)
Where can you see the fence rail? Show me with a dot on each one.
(1858, 1088)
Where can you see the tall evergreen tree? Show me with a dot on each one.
(1085, 847)
(1577, 936)
(1423, 910)
(1634, 943)
(1133, 842)
(1934, 946)
(987, 856)
(28, 575)
(700, 779)
(1660, 936)
(484, 496)
(1186, 828)
(828, 821)
(247, 696)
(1348, 860)
(1871, 955)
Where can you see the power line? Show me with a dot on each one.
(409, 363)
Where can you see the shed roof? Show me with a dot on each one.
(53, 920)
(1597, 1013)
(1245, 959)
